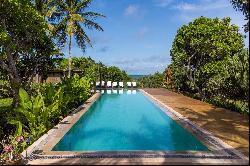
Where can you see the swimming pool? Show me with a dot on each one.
(127, 120)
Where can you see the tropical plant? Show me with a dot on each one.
(39, 112)
(32, 115)
(71, 17)
(76, 90)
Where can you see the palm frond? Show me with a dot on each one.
(76, 17)
(51, 11)
(60, 32)
(91, 14)
(61, 5)
(92, 25)
(82, 5)
(81, 37)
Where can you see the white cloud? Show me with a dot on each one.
(149, 64)
(131, 10)
(187, 6)
(163, 3)
(202, 6)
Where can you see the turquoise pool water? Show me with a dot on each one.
(128, 121)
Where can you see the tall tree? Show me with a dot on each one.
(25, 48)
(200, 49)
(72, 19)
(243, 6)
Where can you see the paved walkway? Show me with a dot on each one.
(230, 127)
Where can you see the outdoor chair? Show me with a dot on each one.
(109, 85)
(121, 84)
(129, 84)
(103, 84)
(134, 84)
(114, 84)
(97, 84)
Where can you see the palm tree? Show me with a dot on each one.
(72, 17)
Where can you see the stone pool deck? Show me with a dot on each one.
(231, 127)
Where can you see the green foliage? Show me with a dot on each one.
(71, 17)
(4, 85)
(115, 74)
(26, 48)
(243, 6)
(208, 60)
(76, 90)
(6, 110)
(200, 48)
(152, 81)
(94, 71)
(41, 111)
(35, 113)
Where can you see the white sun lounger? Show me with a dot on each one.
(109, 84)
(134, 84)
(114, 84)
(97, 83)
(129, 92)
(102, 91)
(103, 83)
(121, 84)
(129, 84)
(108, 91)
(114, 91)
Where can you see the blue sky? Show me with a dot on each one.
(138, 34)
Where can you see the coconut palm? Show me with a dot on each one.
(72, 18)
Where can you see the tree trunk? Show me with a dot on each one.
(15, 80)
(70, 45)
(15, 85)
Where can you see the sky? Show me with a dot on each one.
(138, 34)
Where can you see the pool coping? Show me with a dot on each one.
(221, 153)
